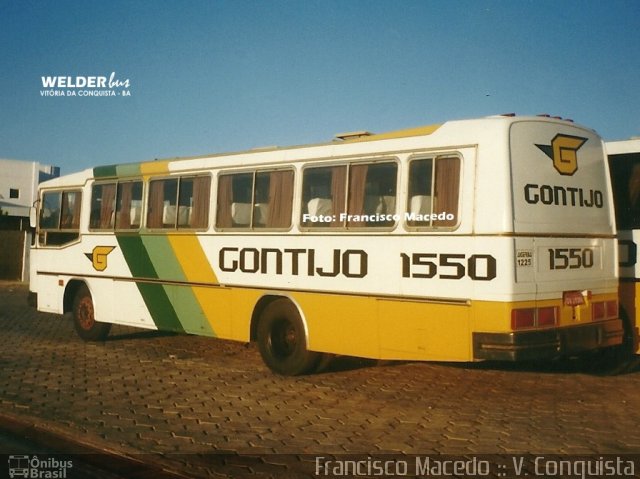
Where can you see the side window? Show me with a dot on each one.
(50, 211)
(129, 205)
(163, 197)
(116, 205)
(371, 193)
(179, 203)
(193, 202)
(273, 199)
(434, 189)
(60, 217)
(261, 199)
(234, 200)
(103, 200)
(324, 196)
(70, 211)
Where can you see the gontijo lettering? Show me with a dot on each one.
(348, 263)
(563, 196)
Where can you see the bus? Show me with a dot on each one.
(469, 240)
(624, 166)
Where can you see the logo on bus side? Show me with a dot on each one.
(563, 150)
(98, 257)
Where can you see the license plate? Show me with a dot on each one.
(572, 298)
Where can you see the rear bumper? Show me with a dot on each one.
(547, 344)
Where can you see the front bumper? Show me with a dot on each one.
(549, 343)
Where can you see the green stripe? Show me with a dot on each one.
(154, 295)
(129, 169)
(172, 307)
(161, 256)
(188, 309)
(107, 171)
(183, 299)
(113, 171)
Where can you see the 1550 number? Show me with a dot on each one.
(570, 258)
(479, 267)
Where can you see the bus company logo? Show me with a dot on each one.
(98, 257)
(563, 150)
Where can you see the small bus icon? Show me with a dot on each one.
(18, 466)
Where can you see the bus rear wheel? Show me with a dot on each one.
(282, 340)
(84, 320)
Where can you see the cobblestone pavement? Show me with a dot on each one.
(210, 408)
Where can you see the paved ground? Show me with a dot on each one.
(210, 408)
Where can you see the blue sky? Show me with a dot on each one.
(214, 76)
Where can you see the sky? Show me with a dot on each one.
(217, 76)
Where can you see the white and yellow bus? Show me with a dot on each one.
(624, 165)
(469, 240)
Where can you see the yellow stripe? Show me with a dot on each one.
(197, 269)
(192, 259)
(419, 131)
(154, 168)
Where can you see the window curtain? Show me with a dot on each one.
(77, 200)
(338, 192)
(280, 199)
(357, 186)
(200, 206)
(71, 210)
(123, 207)
(106, 206)
(225, 198)
(446, 189)
(65, 216)
(156, 204)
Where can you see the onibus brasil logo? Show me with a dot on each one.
(36, 468)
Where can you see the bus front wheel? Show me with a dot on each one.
(282, 340)
(84, 320)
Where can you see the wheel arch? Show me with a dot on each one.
(70, 291)
(263, 302)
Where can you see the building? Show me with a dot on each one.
(18, 191)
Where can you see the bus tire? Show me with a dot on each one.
(84, 320)
(282, 340)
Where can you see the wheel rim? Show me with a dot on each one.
(84, 314)
(283, 339)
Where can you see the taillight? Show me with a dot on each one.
(601, 310)
(534, 317)
(547, 316)
(523, 318)
(598, 311)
